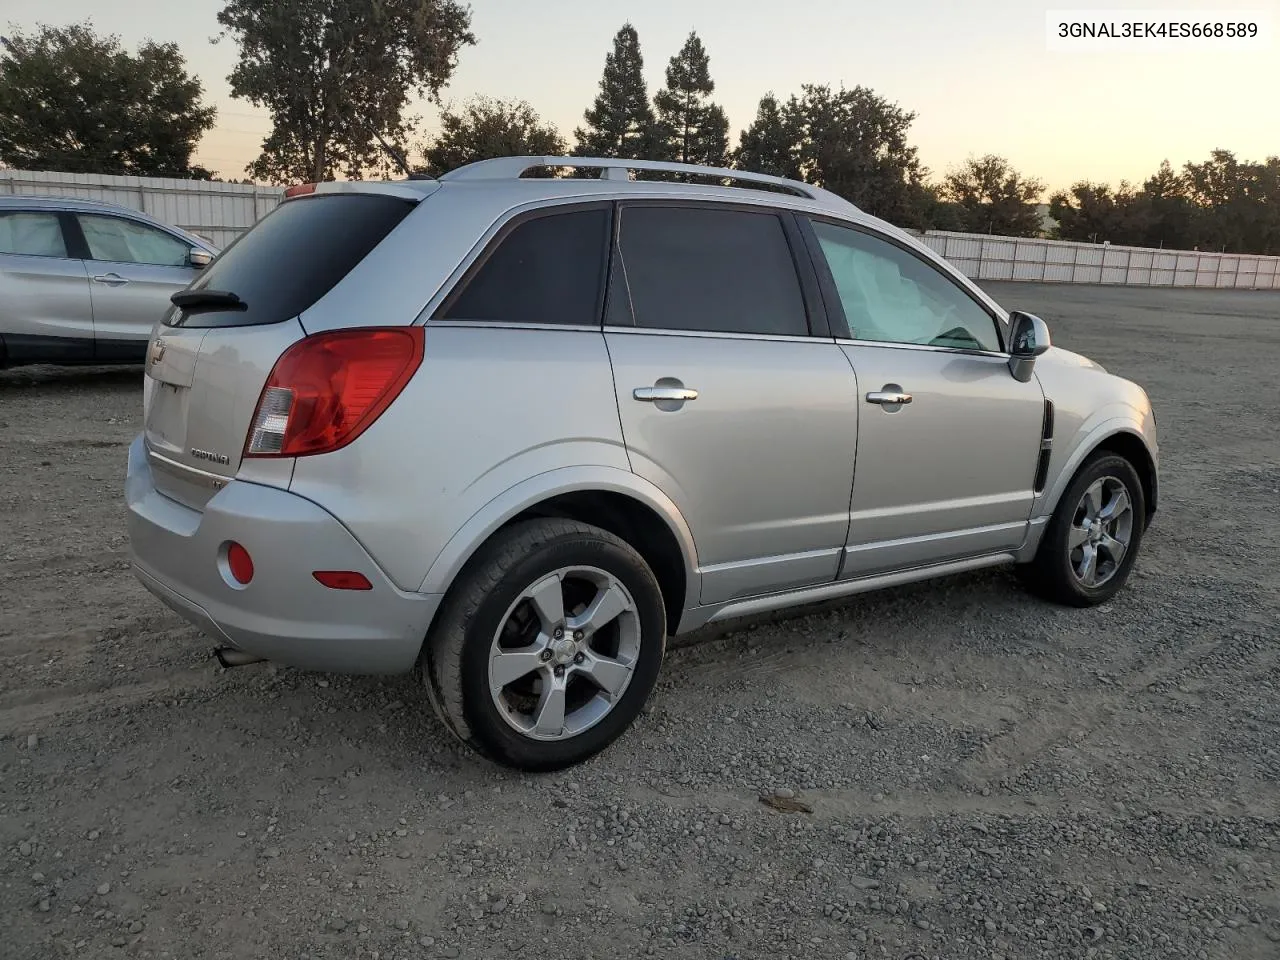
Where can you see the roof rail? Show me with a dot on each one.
(616, 168)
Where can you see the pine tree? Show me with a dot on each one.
(691, 129)
(620, 122)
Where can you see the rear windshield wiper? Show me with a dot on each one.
(189, 300)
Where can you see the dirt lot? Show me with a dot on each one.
(989, 776)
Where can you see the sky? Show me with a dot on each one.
(978, 74)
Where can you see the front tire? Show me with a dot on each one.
(548, 645)
(1093, 537)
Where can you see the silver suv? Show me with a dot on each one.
(86, 282)
(513, 431)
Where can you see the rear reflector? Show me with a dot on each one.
(239, 563)
(328, 388)
(343, 579)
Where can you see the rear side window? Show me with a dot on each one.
(549, 269)
(708, 269)
(32, 235)
(292, 257)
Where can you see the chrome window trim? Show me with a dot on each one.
(716, 335)
(893, 344)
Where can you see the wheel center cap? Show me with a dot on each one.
(563, 650)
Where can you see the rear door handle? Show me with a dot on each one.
(888, 396)
(111, 279)
(652, 394)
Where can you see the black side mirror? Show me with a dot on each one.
(1028, 338)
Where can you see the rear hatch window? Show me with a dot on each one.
(289, 260)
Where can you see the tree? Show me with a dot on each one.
(995, 197)
(77, 102)
(337, 76)
(620, 122)
(689, 127)
(486, 127)
(854, 142)
(929, 210)
(1239, 202)
(771, 144)
(1169, 217)
(1093, 212)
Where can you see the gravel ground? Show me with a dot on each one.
(963, 771)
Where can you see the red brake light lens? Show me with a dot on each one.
(239, 563)
(300, 189)
(343, 579)
(328, 388)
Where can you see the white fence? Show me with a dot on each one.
(222, 211)
(1062, 261)
(216, 211)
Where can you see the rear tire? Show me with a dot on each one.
(1080, 562)
(547, 646)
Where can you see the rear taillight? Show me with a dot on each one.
(328, 388)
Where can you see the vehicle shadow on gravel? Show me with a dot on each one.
(96, 377)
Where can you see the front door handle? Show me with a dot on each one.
(111, 279)
(888, 397)
(652, 394)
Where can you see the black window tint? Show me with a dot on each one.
(546, 270)
(718, 270)
(892, 296)
(294, 256)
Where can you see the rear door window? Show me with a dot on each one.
(710, 269)
(293, 256)
(548, 269)
(32, 234)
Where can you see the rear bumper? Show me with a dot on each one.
(283, 614)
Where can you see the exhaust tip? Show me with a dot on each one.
(229, 657)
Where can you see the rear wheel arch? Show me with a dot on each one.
(614, 500)
(634, 522)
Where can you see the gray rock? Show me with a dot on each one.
(104, 889)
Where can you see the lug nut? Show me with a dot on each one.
(558, 632)
(577, 635)
(579, 657)
(545, 655)
(559, 671)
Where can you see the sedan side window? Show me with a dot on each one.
(119, 240)
(892, 296)
(32, 234)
